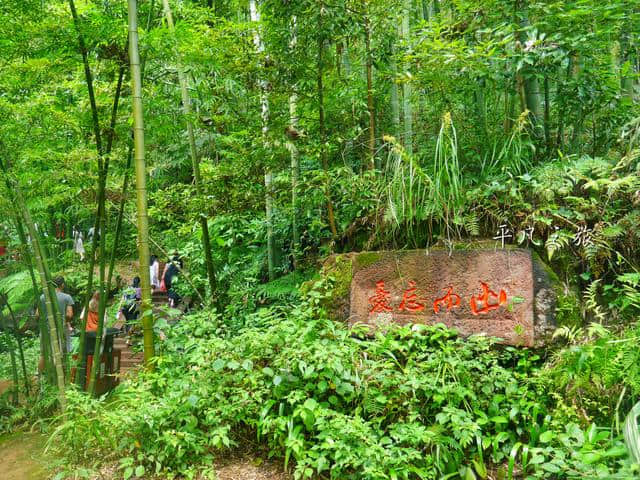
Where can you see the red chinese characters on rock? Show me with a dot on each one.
(484, 300)
(379, 302)
(410, 301)
(450, 300)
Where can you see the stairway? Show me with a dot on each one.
(159, 300)
(130, 359)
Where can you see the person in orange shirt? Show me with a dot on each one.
(92, 317)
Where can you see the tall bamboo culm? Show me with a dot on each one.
(16, 334)
(45, 281)
(141, 184)
(8, 343)
(195, 160)
(15, 194)
(254, 15)
(49, 370)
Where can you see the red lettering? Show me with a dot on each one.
(379, 302)
(450, 300)
(410, 301)
(483, 300)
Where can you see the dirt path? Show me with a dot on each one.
(4, 386)
(21, 457)
(249, 468)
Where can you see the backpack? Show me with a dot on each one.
(130, 299)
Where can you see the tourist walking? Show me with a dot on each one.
(171, 272)
(65, 310)
(154, 272)
(78, 243)
(130, 305)
(93, 315)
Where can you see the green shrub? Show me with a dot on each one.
(412, 403)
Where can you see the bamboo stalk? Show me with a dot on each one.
(195, 161)
(295, 157)
(254, 14)
(41, 260)
(16, 334)
(103, 169)
(370, 105)
(123, 196)
(45, 333)
(141, 184)
(12, 356)
(406, 86)
(323, 128)
(125, 180)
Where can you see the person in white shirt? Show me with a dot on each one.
(78, 243)
(154, 272)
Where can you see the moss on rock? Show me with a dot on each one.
(366, 259)
(341, 273)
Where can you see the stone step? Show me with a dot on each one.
(131, 361)
(129, 364)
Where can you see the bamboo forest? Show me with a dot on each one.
(319, 239)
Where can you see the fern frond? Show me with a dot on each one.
(471, 224)
(570, 334)
(597, 330)
(591, 300)
(557, 241)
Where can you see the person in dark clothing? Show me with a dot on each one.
(172, 270)
(130, 308)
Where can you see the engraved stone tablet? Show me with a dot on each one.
(488, 291)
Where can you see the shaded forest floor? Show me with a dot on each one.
(22, 458)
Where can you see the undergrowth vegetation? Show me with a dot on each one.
(408, 403)
(276, 134)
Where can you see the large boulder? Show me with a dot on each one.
(506, 293)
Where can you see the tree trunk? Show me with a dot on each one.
(627, 70)
(12, 355)
(531, 86)
(141, 184)
(370, 106)
(562, 113)
(125, 180)
(547, 115)
(104, 290)
(195, 160)
(101, 303)
(14, 191)
(16, 334)
(481, 109)
(406, 86)
(395, 97)
(346, 62)
(425, 11)
(89, 79)
(254, 14)
(295, 160)
(49, 294)
(99, 224)
(45, 343)
(295, 173)
(323, 128)
(123, 200)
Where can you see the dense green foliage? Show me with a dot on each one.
(324, 127)
(411, 403)
(485, 89)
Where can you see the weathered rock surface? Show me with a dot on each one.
(509, 294)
